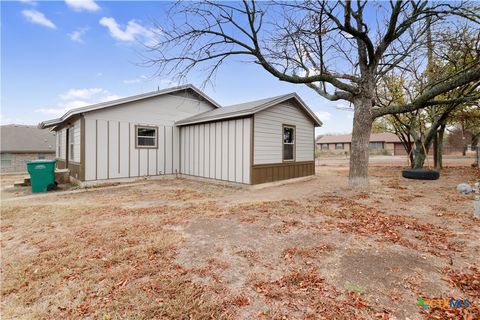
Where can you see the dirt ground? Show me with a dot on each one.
(181, 249)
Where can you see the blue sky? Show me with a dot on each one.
(65, 54)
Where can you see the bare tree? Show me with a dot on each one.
(339, 49)
(453, 51)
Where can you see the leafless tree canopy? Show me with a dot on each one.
(339, 49)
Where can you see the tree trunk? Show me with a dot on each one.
(464, 141)
(362, 127)
(441, 133)
(420, 155)
(435, 150)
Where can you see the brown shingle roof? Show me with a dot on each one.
(347, 138)
(21, 138)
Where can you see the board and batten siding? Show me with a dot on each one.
(217, 150)
(268, 140)
(110, 150)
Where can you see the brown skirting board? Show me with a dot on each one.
(75, 168)
(281, 171)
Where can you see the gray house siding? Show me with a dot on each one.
(217, 150)
(268, 140)
(110, 150)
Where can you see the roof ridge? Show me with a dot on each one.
(268, 98)
(133, 98)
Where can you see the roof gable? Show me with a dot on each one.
(249, 108)
(175, 91)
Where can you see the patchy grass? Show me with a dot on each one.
(186, 250)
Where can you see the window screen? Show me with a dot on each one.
(288, 143)
(71, 142)
(146, 137)
(6, 160)
(59, 147)
(375, 145)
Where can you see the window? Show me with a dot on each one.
(146, 137)
(59, 146)
(339, 146)
(6, 160)
(375, 145)
(288, 143)
(71, 143)
(324, 146)
(41, 156)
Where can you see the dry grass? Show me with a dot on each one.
(186, 250)
(92, 262)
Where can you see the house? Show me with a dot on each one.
(380, 142)
(181, 131)
(20, 143)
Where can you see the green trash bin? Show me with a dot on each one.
(42, 175)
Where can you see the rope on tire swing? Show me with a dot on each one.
(426, 156)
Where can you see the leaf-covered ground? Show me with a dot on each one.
(190, 250)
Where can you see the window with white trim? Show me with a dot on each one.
(71, 143)
(288, 143)
(146, 137)
(59, 144)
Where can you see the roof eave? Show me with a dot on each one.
(72, 112)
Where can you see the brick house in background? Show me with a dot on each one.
(20, 143)
(384, 142)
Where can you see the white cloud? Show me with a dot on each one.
(324, 116)
(81, 93)
(7, 120)
(99, 74)
(30, 2)
(78, 34)
(131, 32)
(136, 80)
(76, 98)
(79, 5)
(37, 17)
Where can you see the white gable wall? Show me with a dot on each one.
(110, 150)
(268, 140)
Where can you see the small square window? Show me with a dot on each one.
(324, 146)
(339, 146)
(146, 137)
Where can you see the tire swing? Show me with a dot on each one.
(420, 173)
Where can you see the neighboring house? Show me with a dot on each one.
(378, 141)
(182, 131)
(20, 143)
